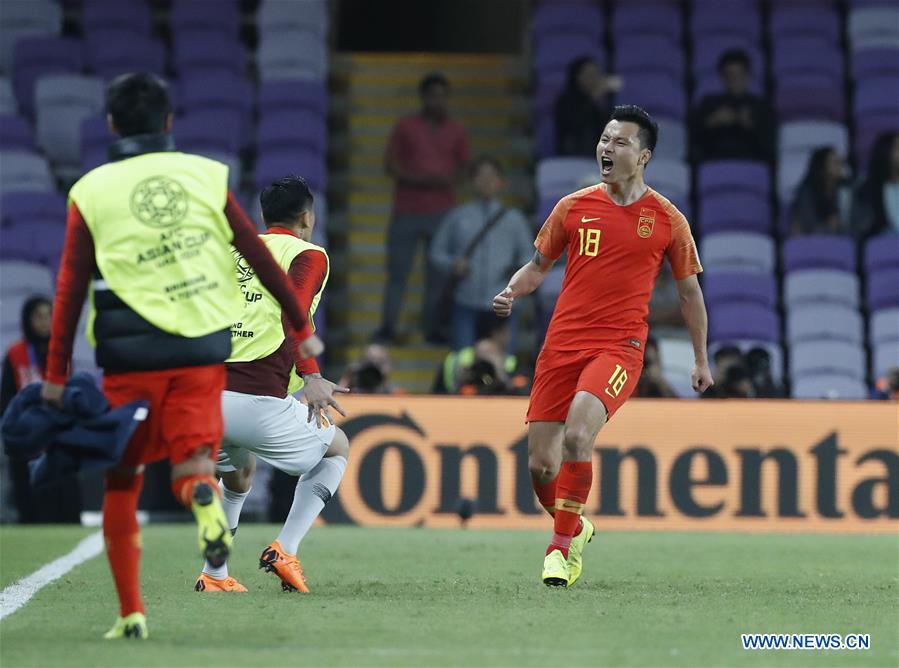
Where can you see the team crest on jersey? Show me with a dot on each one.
(645, 223)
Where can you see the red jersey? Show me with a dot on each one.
(614, 256)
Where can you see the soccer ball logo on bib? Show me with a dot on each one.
(159, 202)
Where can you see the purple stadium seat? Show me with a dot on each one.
(867, 133)
(300, 128)
(649, 54)
(723, 288)
(743, 320)
(549, 86)
(35, 57)
(273, 165)
(876, 96)
(190, 15)
(647, 18)
(555, 52)
(545, 137)
(217, 91)
(825, 103)
(568, 19)
(23, 207)
(819, 251)
(289, 94)
(659, 93)
(789, 21)
(15, 134)
(203, 50)
(806, 56)
(738, 20)
(105, 15)
(95, 135)
(883, 289)
(201, 131)
(866, 63)
(733, 175)
(93, 158)
(738, 211)
(111, 53)
(882, 252)
(36, 241)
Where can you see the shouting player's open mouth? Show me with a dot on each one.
(605, 165)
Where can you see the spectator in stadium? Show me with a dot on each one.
(735, 124)
(823, 198)
(652, 383)
(887, 387)
(665, 319)
(370, 374)
(584, 106)
(478, 243)
(427, 155)
(875, 208)
(758, 363)
(482, 368)
(26, 363)
(725, 357)
(737, 383)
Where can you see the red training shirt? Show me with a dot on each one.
(614, 256)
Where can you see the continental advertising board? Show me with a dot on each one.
(778, 466)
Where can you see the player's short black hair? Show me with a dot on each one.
(482, 160)
(649, 129)
(432, 79)
(734, 57)
(285, 200)
(138, 103)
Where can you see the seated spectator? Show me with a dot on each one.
(652, 383)
(875, 208)
(665, 319)
(822, 201)
(735, 124)
(485, 367)
(887, 388)
(370, 374)
(25, 363)
(481, 244)
(758, 363)
(583, 108)
(725, 357)
(737, 383)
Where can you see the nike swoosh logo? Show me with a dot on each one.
(584, 219)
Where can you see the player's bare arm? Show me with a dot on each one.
(524, 282)
(692, 307)
(319, 394)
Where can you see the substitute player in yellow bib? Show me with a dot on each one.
(261, 418)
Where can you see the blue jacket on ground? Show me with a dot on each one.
(82, 435)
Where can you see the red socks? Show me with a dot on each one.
(572, 488)
(183, 487)
(122, 534)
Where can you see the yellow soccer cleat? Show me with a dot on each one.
(555, 570)
(132, 626)
(575, 552)
(212, 525)
(208, 583)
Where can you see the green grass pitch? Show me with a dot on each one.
(418, 597)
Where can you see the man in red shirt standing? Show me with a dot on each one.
(617, 234)
(427, 155)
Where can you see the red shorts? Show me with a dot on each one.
(610, 374)
(185, 411)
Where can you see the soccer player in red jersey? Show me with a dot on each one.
(617, 234)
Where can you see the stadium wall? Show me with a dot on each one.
(753, 466)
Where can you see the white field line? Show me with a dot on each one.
(19, 593)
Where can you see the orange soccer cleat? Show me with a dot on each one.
(208, 583)
(287, 567)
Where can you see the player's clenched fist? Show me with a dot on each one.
(502, 303)
(701, 378)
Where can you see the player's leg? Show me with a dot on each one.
(235, 484)
(192, 429)
(544, 458)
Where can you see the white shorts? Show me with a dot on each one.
(273, 429)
